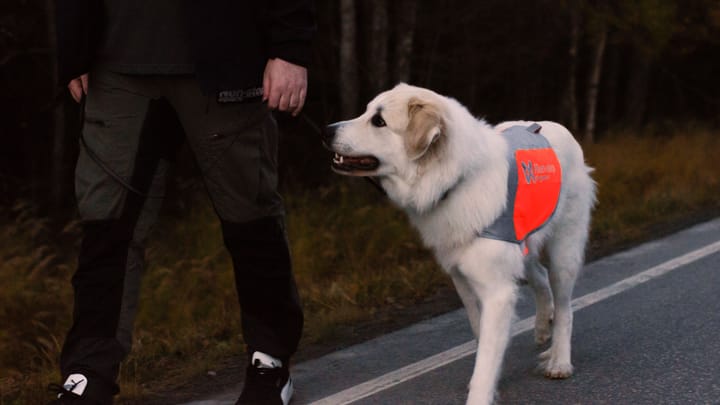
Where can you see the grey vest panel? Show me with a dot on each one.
(518, 138)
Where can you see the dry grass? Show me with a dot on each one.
(353, 254)
(34, 292)
(649, 180)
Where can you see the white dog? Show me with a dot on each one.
(486, 200)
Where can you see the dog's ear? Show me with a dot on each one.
(425, 128)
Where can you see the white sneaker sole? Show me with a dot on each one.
(287, 392)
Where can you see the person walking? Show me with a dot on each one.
(219, 66)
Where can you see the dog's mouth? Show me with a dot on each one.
(354, 164)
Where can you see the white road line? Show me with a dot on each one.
(411, 371)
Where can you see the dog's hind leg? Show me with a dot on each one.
(566, 249)
(563, 272)
(537, 277)
(469, 300)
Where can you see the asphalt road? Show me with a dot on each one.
(647, 331)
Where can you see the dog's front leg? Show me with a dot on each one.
(470, 300)
(490, 268)
(497, 313)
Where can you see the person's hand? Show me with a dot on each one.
(284, 86)
(78, 87)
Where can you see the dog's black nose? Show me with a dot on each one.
(329, 133)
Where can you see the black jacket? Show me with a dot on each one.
(231, 40)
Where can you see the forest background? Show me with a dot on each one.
(636, 81)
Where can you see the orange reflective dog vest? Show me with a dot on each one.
(534, 182)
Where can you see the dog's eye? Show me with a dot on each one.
(377, 121)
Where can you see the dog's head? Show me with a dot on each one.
(401, 129)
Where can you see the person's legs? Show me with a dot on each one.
(236, 148)
(167, 135)
(272, 317)
(115, 144)
(135, 267)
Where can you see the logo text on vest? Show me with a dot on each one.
(535, 172)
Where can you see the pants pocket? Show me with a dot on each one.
(230, 164)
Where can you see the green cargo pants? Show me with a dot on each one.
(235, 146)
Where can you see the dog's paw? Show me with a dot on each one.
(559, 371)
(543, 322)
(543, 331)
(480, 398)
(554, 369)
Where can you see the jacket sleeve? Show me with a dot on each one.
(291, 27)
(76, 23)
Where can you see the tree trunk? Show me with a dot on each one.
(571, 107)
(378, 49)
(58, 191)
(611, 86)
(637, 88)
(349, 84)
(594, 83)
(406, 17)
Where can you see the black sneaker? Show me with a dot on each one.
(71, 392)
(267, 382)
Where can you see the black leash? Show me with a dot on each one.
(107, 169)
(110, 172)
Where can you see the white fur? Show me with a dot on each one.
(484, 271)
